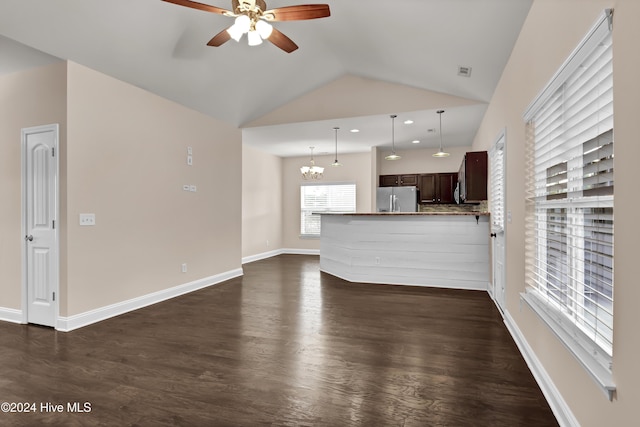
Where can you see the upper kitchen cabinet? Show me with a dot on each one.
(472, 177)
(437, 187)
(398, 180)
(388, 180)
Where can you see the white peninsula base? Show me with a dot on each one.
(420, 249)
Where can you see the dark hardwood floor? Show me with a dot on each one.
(284, 345)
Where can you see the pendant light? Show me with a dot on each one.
(393, 155)
(312, 171)
(336, 162)
(440, 153)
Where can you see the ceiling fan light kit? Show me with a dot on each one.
(251, 18)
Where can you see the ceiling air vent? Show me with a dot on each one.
(464, 71)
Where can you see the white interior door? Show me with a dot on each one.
(497, 200)
(40, 208)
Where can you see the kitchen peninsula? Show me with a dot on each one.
(438, 249)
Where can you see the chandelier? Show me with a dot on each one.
(312, 171)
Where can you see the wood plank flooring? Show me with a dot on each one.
(284, 345)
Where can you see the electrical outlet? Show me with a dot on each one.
(193, 188)
(87, 219)
(377, 260)
(184, 267)
(267, 243)
(189, 150)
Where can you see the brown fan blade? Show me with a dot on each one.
(300, 12)
(282, 41)
(199, 6)
(220, 38)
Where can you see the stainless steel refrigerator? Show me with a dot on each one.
(397, 199)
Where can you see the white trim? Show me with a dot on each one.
(263, 255)
(76, 321)
(293, 251)
(582, 347)
(500, 143)
(276, 252)
(560, 409)
(11, 315)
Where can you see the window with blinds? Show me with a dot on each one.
(496, 161)
(570, 196)
(316, 198)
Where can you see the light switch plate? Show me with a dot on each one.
(190, 160)
(192, 188)
(87, 219)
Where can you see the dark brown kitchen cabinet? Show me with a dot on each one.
(409, 180)
(398, 180)
(437, 187)
(473, 177)
(388, 180)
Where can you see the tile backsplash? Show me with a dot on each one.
(480, 207)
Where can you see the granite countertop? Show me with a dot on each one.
(407, 213)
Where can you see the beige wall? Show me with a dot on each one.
(552, 30)
(126, 162)
(261, 202)
(353, 96)
(29, 98)
(355, 168)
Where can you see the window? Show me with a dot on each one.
(496, 161)
(336, 197)
(570, 203)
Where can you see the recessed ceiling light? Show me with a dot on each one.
(408, 122)
(416, 141)
(355, 130)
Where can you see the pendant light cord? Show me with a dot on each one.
(440, 114)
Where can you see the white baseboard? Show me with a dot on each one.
(10, 315)
(263, 255)
(276, 252)
(292, 251)
(559, 407)
(76, 321)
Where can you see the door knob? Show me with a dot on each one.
(29, 238)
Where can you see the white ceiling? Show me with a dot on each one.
(161, 47)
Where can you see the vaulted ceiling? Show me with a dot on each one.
(412, 45)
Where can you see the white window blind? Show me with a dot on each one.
(316, 198)
(570, 202)
(496, 160)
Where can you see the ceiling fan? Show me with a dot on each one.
(252, 18)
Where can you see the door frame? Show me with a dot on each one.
(500, 301)
(25, 132)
